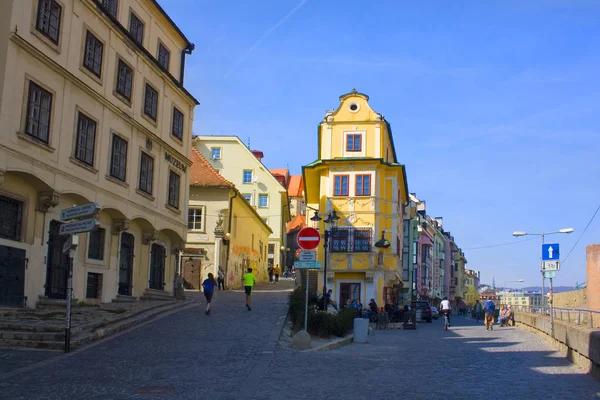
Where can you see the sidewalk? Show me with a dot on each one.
(45, 328)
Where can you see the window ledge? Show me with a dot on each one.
(90, 74)
(95, 263)
(122, 98)
(144, 194)
(36, 142)
(173, 209)
(175, 138)
(149, 119)
(83, 165)
(117, 181)
(46, 39)
(96, 266)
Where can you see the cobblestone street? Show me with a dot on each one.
(232, 354)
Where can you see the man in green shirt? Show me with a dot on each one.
(249, 279)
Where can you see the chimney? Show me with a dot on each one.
(258, 154)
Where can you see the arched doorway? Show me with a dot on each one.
(158, 256)
(57, 264)
(126, 264)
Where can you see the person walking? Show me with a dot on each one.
(221, 279)
(270, 270)
(209, 285)
(277, 272)
(489, 308)
(249, 279)
(477, 310)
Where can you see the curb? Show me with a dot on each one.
(332, 345)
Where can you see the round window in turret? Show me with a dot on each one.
(354, 107)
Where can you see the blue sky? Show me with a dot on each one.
(495, 105)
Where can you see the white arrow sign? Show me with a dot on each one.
(86, 210)
(85, 225)
(550, 252)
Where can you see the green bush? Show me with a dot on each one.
(320, 323)
(296, 306)
(345, 321)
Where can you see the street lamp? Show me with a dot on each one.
(521, 233)
(518, 280)
(330, 222)
(382, 244)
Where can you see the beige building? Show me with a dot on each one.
(224, 230)
(244, 168)
(93, 109)
(520, 298)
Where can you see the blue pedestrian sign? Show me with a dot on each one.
(550, 252)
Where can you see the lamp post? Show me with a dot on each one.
(518, 280)
(564, 230)
(519, 233)
(330, 222)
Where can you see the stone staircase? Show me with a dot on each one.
(46, 303)
(125, 299)
(154, 294)
(45, 328)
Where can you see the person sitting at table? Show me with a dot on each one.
(395, 314)
(373, 311)
(347, 304)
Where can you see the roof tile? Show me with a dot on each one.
(202, 174)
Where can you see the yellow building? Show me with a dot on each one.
(459, 273)
(471, 284)
(358, 175)
(92, 109)
(224, 230)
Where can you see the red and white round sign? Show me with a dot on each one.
(308, 238)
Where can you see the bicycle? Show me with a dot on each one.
(446, 321)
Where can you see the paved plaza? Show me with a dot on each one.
(233, 354)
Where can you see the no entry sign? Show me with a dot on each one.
(308, 238)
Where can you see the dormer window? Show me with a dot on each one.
(354, 142)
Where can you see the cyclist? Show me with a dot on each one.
(445, 308)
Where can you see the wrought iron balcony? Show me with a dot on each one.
(351, 240)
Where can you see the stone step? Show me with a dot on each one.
(33, 336)
(83, 334)
(48, 303)
(34, 344)
(125, 299)
(153, 294)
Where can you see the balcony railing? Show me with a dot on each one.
(351, 240)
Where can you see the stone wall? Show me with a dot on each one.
(580, 345)
(593, 276)
(571, 299)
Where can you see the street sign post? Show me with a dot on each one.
(550, 274)
(71, 243)
(550, 252)
(85, 225)
(551, 265)
(307, 255)
(86, 210)
(307, 265)
(308, 238)
(74, 214)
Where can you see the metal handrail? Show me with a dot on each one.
(578, 316)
